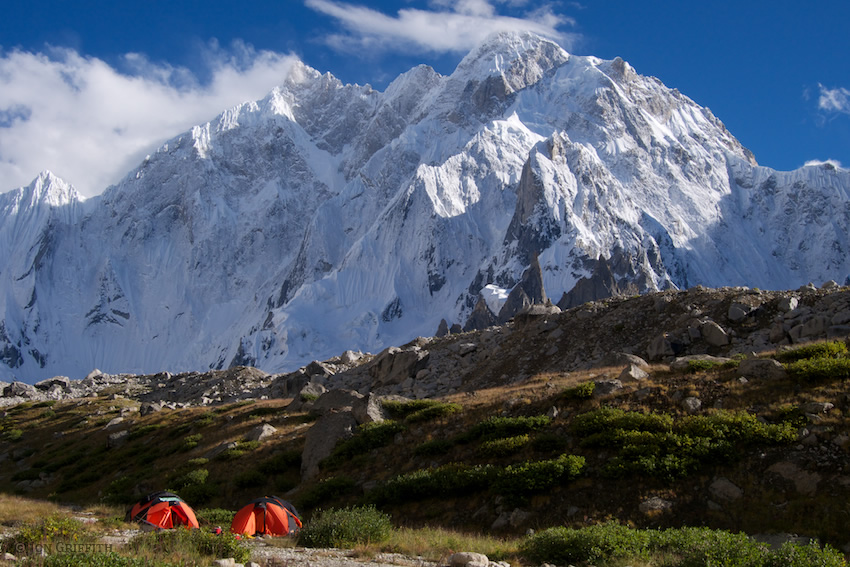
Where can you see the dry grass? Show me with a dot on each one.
(15, 510)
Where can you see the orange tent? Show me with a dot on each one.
(163, 510)
(268, 515)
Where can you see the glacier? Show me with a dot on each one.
(330, 216)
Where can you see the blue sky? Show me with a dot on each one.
(88, 87)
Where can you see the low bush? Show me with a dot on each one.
(367, 437)
(54, 529)
(187, 546)
(530, 477)
(145, 430)
(281, 462)
(433, 448)
(826, 349)
(414, 411)
(458, 479)
(191, 441)
(346, 528)
(819, 369)
(326, 490)
(250, 479)
(656, 445)
(500, 427)
(214, 517)
(680, 547)
(583, 391)
(506, 446)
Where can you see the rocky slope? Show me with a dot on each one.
(635, 350)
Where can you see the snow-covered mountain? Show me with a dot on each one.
(328, 217)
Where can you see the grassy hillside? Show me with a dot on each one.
(758, 456)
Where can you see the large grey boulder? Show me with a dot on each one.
(395, 365)
(20, 389)
(321, 439)
(762, 368)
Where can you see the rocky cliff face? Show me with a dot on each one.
(328, 217)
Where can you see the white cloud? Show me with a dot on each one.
(834, 100)
(835, 164)
(452, 26)
(90, 124)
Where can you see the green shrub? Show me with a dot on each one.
(583, 391)
(191, 441)
(346, 528)
(214, 517)
(327, 490)
(499, 427)
(47, 531)
(13, 435)
(593, 544)
(819, 369)
(503, 447)
(281, 462)
(433, 448)
(655, 445)
(205, 419)
(189, 543)
(97, 559)
(264, 411)
(530, 477)
(238, 451)
(453, 479)
(250, 479)
(199, 462)
(367, 437)
(120, 490)
(827, 349)
(549, 442)
(611, 543)
(793, 555)
(145, 430)
(196, 476)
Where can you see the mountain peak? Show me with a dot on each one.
(51, 190)
(521, 58)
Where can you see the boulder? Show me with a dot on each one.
(261, 432)
(19, 389)
(395, 365)
(321, 439)
(633, 373)
(468, 559)
(338, 400)
(761, 368)
(62, 381)
(368, 409)
(714, 334)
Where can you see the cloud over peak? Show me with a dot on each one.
(90, 123)
(451, 26)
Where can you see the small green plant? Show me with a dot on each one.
(819, 369)
(145, 430)
(205, 419)
(414, 411)
(250, 479)
(826, 349)
(367, 437)
(305, 397)
(191, 441)
(433, 448)
(190, 544)
(500, 427)
(327, 490)
(281, 462)
(583, 391)
(238, 451)
(346, 528)
(53, 529)
(13, 435)
(214, 517)
(196, 476)
(506, 446)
